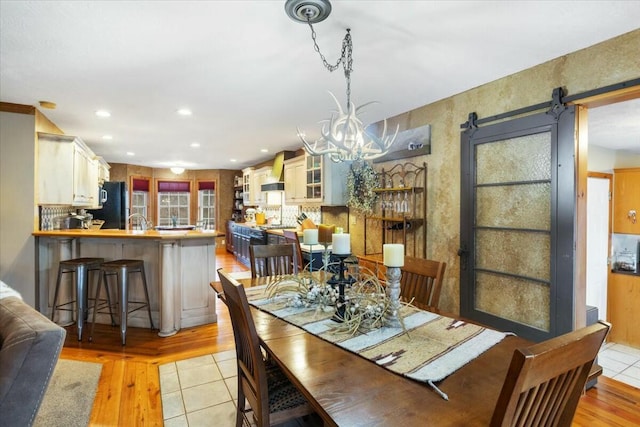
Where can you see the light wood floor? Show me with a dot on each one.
(129, 389)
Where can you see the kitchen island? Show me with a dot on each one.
(179, 266)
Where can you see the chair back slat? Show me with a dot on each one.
(273, 260)
(421, 281)
(545, 381)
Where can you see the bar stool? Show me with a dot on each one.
(81, 268)
(121, 268)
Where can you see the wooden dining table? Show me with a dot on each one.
(348, 390)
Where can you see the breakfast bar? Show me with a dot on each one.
(179, 266)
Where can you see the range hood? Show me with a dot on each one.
(277, 172)
(273, 186)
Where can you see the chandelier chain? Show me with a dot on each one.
(346, 57)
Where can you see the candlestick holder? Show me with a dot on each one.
(340, 280)
(393, 293)
(325, 254)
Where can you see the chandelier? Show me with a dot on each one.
(343, 135)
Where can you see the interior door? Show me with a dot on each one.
(598, 247)
(517, 224)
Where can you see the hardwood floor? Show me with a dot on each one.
(129, 389)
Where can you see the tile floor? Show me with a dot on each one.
(201, 391)
(621, 363)
(198, 392)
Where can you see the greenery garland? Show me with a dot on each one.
(361, 181)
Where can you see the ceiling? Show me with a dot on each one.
(250, 74)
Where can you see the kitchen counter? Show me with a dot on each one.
(179, 265)
(131, 234)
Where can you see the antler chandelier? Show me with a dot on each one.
(344, 137)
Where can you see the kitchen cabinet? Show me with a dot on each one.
(238, 200)
(103, 170)
(623, 300)
(67, 172)
(626, 201)
(244, 236)
(246, 186)
(260, 177)
(295, 188)
(325, 181)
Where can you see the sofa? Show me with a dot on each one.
(30, 345)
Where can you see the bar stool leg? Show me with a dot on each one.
(146, 294)
(123, 287)
(82, 309)
(56, 292)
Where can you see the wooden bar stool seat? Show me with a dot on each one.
(80, 268)
(122, 268)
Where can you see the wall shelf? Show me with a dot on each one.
(401, 211)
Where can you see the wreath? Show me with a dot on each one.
(362, 180)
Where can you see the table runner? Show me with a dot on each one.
(434, 347)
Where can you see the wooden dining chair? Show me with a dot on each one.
(272, 398)
(291, 236)
(273, 260)
(545, 381)
(421, 281)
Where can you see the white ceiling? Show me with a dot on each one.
(250, 74)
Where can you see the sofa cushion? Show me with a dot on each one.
(30, 345)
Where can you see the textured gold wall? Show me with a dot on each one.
(610, 62)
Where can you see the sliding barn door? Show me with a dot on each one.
(517, 224)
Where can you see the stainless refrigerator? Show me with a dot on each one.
(115, 209)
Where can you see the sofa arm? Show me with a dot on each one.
(30, 345)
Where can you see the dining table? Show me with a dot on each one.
(347, 389)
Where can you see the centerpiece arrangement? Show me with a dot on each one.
(359, 300)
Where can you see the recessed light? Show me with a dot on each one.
(264, 150)
(232, 160)
(195, 144)
(103, 113)
(130, 153)
(184, 112)
(109, 137)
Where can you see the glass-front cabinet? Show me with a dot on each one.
(325, 181)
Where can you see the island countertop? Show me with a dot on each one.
(131, 234)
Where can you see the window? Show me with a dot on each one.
(173, 203)
(139, 201)
(207, 204)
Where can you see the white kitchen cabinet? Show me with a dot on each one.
(295, 188)
(67, 173)
(103, 170)
(246, 186)
(260, 176)
(325, 180)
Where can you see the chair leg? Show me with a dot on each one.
(146, 294)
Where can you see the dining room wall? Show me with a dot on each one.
(613, 61)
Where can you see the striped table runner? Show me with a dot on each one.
(434, 347)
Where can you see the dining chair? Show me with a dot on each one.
(273, 260)
(291, 236)
(421, 281)
(272, 398)
(544, 382)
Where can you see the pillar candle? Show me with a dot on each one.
(341, 244)
(310, 236)
(393, 255)
(325, 232)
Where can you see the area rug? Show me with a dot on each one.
(69, 397)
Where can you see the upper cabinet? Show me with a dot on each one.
(252, 180)
(325, 181)
(626, 201)
(295, 188)
(67, 171)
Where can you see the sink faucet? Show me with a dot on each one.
(145, 224)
